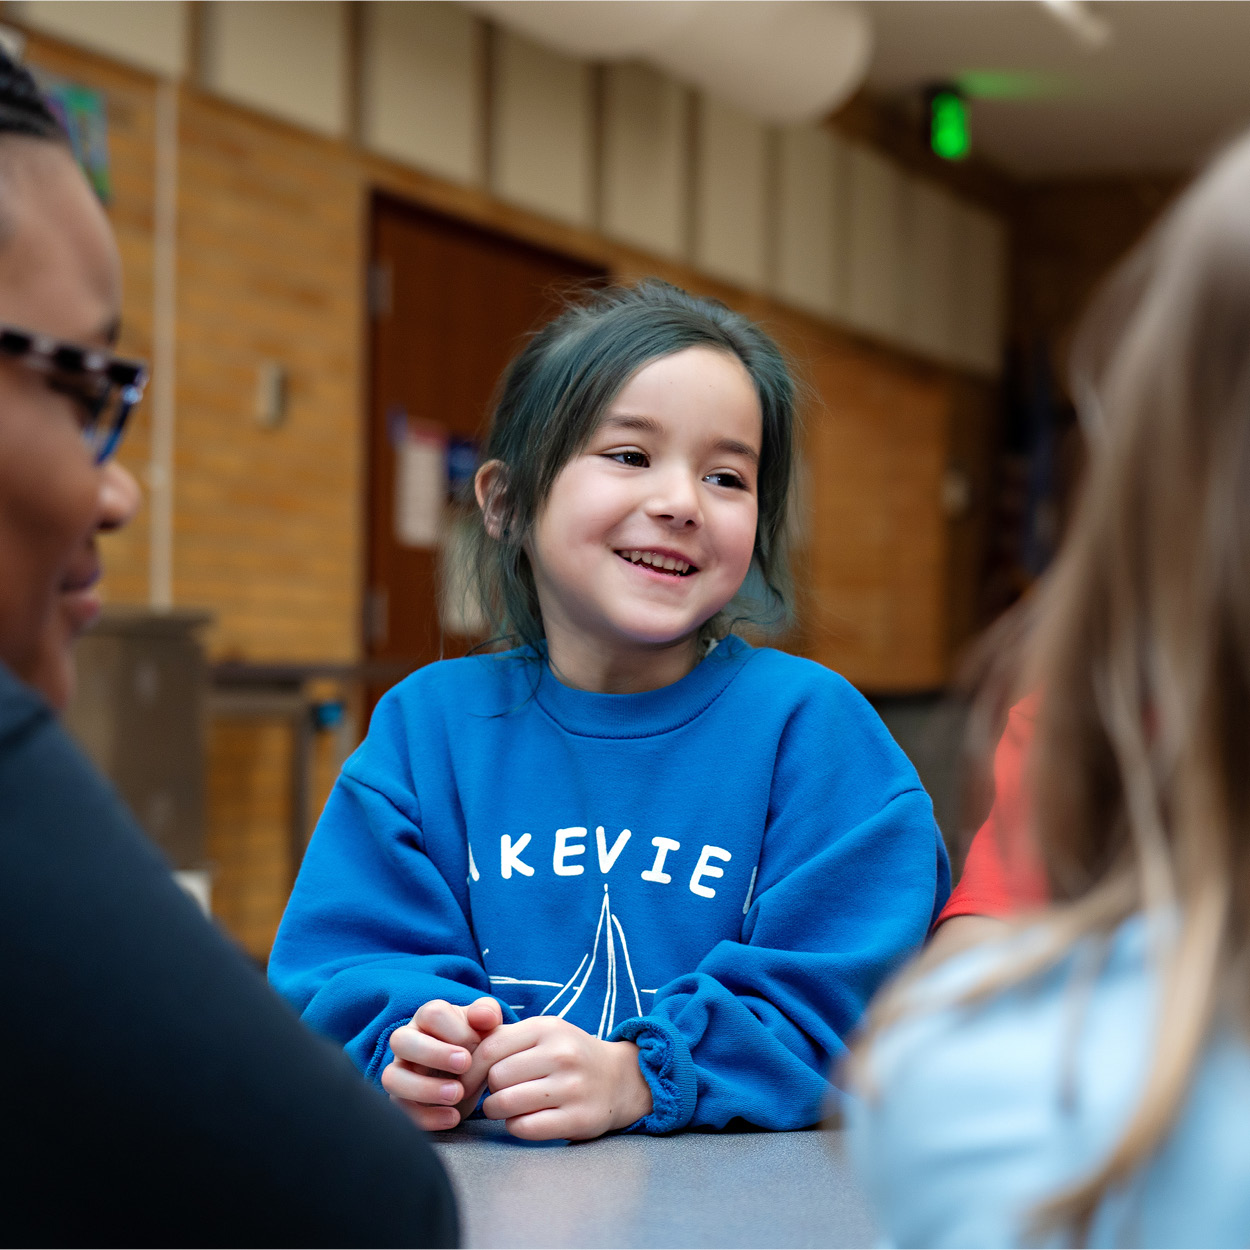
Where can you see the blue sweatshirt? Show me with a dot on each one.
(722, 871)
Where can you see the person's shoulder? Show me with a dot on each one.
(958, 1044)
(797, 677)
(1006, 1086)
(20, 706)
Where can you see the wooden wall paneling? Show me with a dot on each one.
(730, 198)
(286, 58)
(248, 838)
(542, 126)
(422, 97)
(877, 449)
(267, 521)
(645, 159)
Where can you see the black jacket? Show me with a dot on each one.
(153, 1090)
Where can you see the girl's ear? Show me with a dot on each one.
(490, 485)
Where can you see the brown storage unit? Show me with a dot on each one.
(139, 712)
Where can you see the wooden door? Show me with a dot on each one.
(450, 305)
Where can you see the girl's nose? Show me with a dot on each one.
(676, 501)
(118, 498)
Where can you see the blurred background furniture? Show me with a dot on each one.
(139, 711)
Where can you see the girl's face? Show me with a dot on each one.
(649, 531)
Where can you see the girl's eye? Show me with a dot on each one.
(635, 459)
(724, 478)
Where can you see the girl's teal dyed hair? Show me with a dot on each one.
(551, 400)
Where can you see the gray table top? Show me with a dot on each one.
(693, 1189)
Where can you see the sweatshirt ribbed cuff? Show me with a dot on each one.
(381, 1052)
(664, 1058)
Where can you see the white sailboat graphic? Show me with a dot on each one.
(609, 950)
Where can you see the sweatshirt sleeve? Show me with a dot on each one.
(373, 929)
(852, 873)
(155, 1089)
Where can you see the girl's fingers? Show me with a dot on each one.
(484, 1015)
(546, 1125)
(508, 1039)
(520, 1100)
(404, 1082)
(431, 1119)
(449, 1024)
(414, 1046)
(525, 1065)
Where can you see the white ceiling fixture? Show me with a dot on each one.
(1089, 30)
(785, 61)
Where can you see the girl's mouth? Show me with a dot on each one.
(657, 562)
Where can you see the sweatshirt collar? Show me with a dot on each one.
(593, 715)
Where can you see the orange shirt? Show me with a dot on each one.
(1003, 873)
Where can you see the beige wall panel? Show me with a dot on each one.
(645, 146)
(421, 92)
(283, 57)
(981, 297)
(810, 220)
(930, 279)
(148, 35)
(731, 195)
(542, 130)
(876, 226)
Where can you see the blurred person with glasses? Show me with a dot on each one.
(153, 1090)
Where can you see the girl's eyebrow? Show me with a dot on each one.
(646, 425)
(735, 448)
(627, 421)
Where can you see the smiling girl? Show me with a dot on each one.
(633, 873)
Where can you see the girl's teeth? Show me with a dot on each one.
(667, 563)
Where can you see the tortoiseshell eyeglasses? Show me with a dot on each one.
(104, 386)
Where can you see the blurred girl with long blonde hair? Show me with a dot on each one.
(1087, 1078)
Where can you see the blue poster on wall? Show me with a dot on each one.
(82, 111)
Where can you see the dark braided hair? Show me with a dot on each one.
(23, 110)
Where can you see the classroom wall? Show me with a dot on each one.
(266, 523)
(1069, 234)
(272, 202)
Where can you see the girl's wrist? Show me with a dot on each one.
(632, 1099)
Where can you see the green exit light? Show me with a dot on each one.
(948, 125)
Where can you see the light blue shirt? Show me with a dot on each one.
(978, 1114)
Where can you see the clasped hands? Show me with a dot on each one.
(547, 1077)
